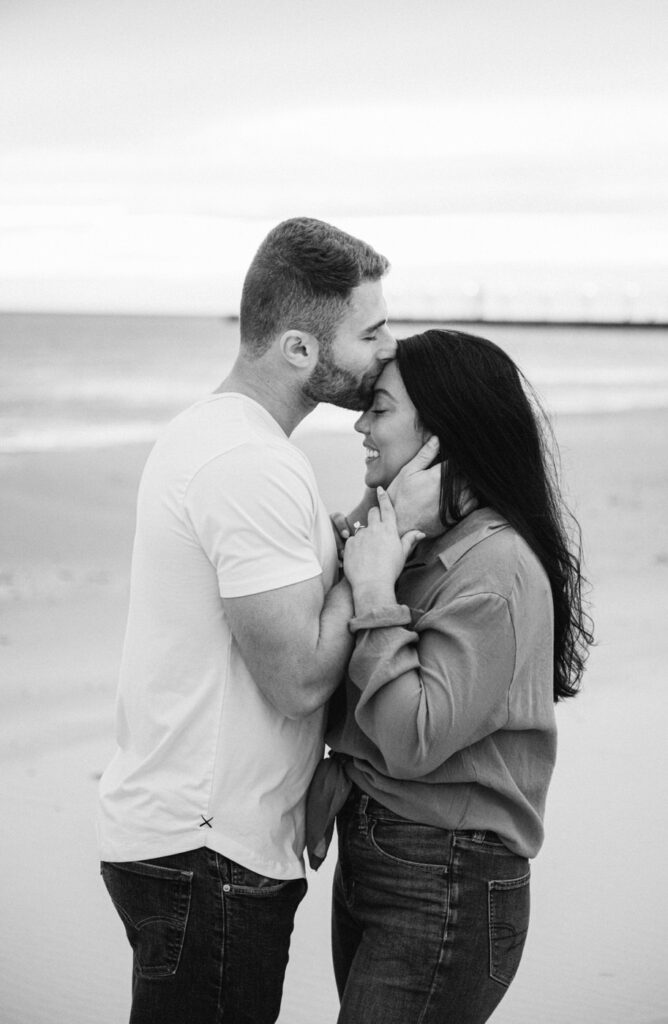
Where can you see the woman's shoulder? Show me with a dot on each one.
(491, 556)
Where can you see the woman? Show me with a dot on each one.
(446, 739)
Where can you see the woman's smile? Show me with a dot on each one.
(391, 428)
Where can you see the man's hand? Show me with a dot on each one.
(341, 531)
(416, 490)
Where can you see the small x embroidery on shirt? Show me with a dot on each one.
(205, 821)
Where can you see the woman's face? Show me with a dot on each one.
(392, 434)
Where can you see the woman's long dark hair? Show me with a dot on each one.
(495, 437)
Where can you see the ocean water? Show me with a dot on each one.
(69, 382)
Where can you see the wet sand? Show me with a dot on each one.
(595, 948)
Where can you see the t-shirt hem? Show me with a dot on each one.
(165, 847)
(256, 586)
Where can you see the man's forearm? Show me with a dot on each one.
(332, 650)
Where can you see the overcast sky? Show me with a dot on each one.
(255, 108)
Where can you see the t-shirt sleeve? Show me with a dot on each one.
(253, 511)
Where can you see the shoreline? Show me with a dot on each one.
(233, 318)
(326, 422)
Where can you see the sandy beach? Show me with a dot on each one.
(596, 945)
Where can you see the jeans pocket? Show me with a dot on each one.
(411, 844)
(153, 903)
(245, 882)
(508, 913)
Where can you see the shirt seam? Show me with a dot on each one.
(461, 597)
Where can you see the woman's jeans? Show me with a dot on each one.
(428, 925)
(210, 938)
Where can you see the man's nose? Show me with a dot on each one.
(387, 347)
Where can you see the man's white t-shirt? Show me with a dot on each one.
(227, 507)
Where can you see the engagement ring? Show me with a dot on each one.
(357, 526)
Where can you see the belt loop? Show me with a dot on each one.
(363, 821)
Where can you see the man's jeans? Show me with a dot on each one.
(210, 938)
(428, 925)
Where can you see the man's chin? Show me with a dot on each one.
(340, 389)
(360, 399)
(351, 402)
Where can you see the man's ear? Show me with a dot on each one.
(299, 348)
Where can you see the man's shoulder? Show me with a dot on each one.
(254, 456)
(221, 434)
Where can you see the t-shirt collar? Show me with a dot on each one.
(253, 407)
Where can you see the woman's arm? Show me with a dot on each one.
(427, 692)
(424, 693)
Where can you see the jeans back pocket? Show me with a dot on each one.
(153, 903)
(508, 914)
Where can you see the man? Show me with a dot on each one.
(236, 638)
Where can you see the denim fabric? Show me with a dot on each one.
(210, 938)
(428, 924)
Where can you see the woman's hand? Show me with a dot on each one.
(375, 555)
(342, 524)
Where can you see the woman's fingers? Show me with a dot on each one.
(373, 517)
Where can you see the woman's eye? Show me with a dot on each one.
(378, 412)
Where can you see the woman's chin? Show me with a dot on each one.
(374, 477)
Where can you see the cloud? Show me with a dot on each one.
(497, 155)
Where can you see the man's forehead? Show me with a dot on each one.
(367, 304)
(366, 294)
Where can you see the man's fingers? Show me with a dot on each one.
(410, 540)
(467, 501)
(340, 524)
(425, 456)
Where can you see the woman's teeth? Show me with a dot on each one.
(371, 454)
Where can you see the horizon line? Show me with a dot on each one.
(234, 318)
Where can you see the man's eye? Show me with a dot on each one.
(378, 412)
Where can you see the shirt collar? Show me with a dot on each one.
(450, 546)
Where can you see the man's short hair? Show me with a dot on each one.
(301, 278)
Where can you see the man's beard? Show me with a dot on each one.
(331, 383)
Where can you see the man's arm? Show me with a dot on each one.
(252, 513)
(295, 642)
(415, 492)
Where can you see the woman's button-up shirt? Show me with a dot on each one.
(449, 714)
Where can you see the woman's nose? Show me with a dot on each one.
(360, 425)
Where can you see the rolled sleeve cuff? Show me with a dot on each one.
(377, 618)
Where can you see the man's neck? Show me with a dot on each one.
(255, 380)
